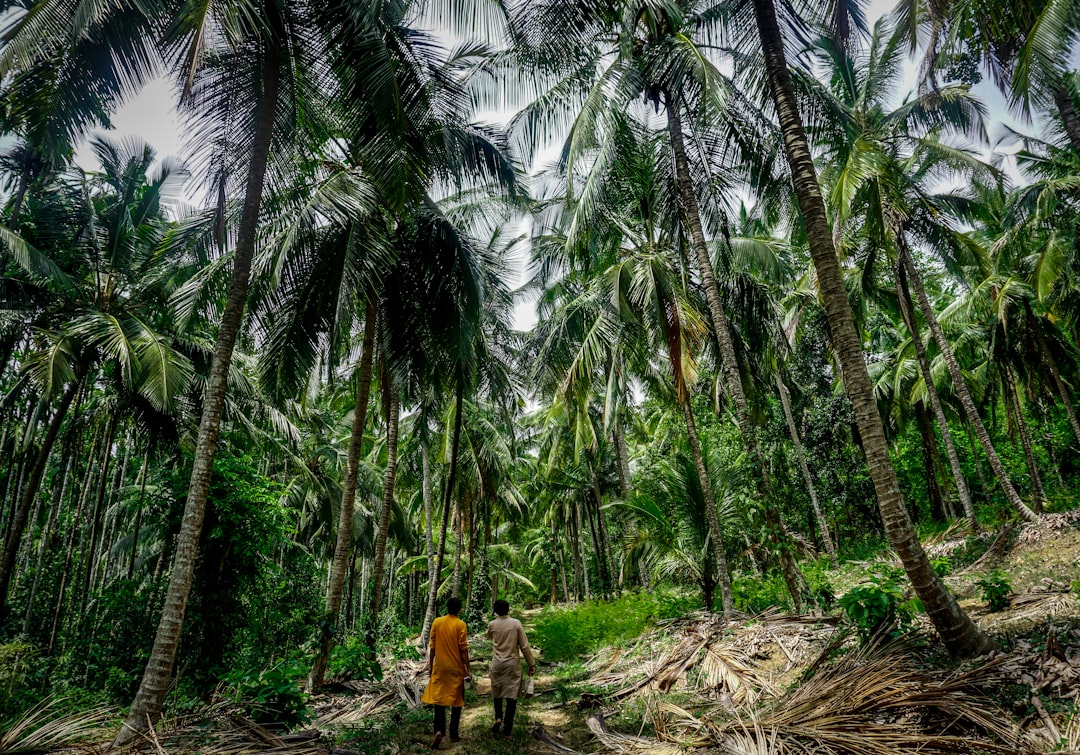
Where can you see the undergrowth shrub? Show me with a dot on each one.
(353, 659)
(996, 590)
(563, 633)
(757, 594)
(819, 589)
(273, 695)
(877, 606)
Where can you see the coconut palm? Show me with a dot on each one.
(957, 630)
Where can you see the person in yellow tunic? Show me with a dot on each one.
(448, 669)
(507, 638)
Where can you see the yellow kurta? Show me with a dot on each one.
(447, 684)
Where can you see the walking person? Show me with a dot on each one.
(507, 638)
(448, 669)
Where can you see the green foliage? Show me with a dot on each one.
(878, 606)
(819, 589)
(563, 633)
(996, 590)
(273, 695)
(942, 566)
(352, 659)
(19, 682)
(757, 594)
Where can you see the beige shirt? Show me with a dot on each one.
(507, 637)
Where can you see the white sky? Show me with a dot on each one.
(152, 116)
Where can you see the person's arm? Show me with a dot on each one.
(463, 646)
(523, 643)
(430, 659)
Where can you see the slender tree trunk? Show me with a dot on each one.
(146, 708)
(381, 536)
(604, 554)
(28, 493)
(579, 546)
(622, 457)
(957, 630)
(575, 554)
(796, 441)
(933, 489)
(343, 542)
(1037, 494)
(1067, 110)
(429, 526)
(95, 518)
(1055, 373)
(716, 561)
(49, 536)
(567, 595)
(137, 530)
(448, 492)
(960, 386)
(729, 365)
(908, 314)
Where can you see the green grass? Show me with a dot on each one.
(563, 633)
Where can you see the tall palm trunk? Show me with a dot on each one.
(25, 501)
(934, 493)
(1037, 494)
(146, 708)
(393, 404)
(448, 492)
(729, 365)
(138, 517)
(343, 544)
(793, 430)
(716, 560)
(957, 630)
(908, 314)
(48, 537)
(622, 457)
(960, 385)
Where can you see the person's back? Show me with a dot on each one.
(448, 668)
(507, 640)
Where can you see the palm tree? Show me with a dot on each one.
(957, 630)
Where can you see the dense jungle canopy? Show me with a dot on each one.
(544, 300)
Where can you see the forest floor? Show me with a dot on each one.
(765, 683)
(771, 683)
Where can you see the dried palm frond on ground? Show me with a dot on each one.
(1048, 525)
(41, 730)
(876, 700)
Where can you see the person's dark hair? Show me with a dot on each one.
(501, 607)
(453, 606)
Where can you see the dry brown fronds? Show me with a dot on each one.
(1048, 525)
(877, 701)
(41, 730)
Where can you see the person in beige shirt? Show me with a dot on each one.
(507, 638)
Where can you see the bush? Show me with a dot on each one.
(274, 695)
(353, 659)
(819, 589)
(942, 566)
(757, 594)
(563, 633)
(18, 663)
(878, 606)
(996, 590)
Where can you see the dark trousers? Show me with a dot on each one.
(511, 709)
(440, 720)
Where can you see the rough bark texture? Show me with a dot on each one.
(729, 365)
(343, 544)
(908, 314)
(957, 631)
(387, 506)
(962, 392)
(448, 492)
(29, 491)
(146, 708)
(622, 456)
(793, 430)
(716, 559)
